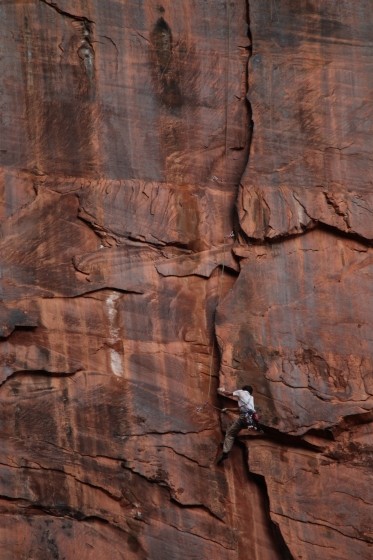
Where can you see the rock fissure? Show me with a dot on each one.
(370, 210)
(72, 451)
(161, 480)
(65, 473)
(184, 455)
(110, 41)
(205, 538)
(71, 513)
(44, 372)
(177, 432)
(324, 546)
(304, 208)
(286, 440)
(97, 229)
(59, 10)
(321, 523)
(336, 207)
(353, 496)
(280, 545)
(197, 506)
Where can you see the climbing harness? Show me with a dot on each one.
(251, 419)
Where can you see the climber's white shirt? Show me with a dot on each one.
(245, 400)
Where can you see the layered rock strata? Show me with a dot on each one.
(126, 299)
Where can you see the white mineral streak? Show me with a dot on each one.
(116, 363)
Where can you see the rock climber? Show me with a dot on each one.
(248, 417)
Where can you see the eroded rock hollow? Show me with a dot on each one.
(186, 203)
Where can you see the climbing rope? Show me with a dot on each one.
(217, 304)
(214, 335)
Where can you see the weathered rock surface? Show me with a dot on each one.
(297, 322)
(125, 300)
(304, 342)
(311, 96)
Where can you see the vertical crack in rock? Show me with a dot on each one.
(249, 48)
(232, 221)
(235, 219)
(268, 197)
(279, 543)
(249, 108)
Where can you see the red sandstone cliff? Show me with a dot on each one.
(135, 136)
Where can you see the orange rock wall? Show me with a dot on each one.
(136, 136)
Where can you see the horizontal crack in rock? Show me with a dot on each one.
(321, 523)
(59, 10)
(65, 473)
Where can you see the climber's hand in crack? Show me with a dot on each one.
(224, 392)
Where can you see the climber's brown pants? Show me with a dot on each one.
(232, 432)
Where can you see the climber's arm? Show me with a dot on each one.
(225, 393)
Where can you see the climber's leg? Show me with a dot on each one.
(231, 434)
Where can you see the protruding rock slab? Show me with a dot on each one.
(310, 92)
(297, 325)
